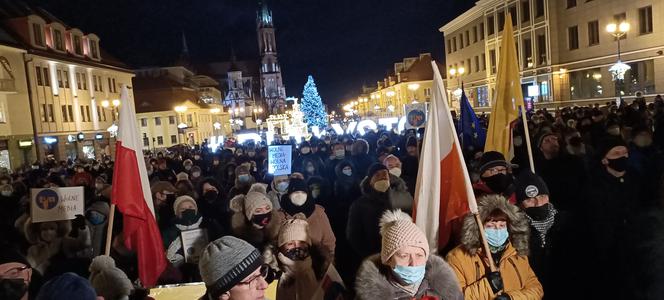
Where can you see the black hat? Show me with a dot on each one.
(412, 142)
(607, 144)
(373, 169)
(10, 255)
(305, 144)
(297, 185)
(491, 159)
(529, 185)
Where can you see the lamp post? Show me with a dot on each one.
(457, 73)
(619, 68)
(413, 88)
(180, 110)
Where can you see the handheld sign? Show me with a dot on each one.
(56, 204)
(279, 159)
(193, 243)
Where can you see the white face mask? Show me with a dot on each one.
(340, 153)
(381, 185)
(305, 150)
(518, 141)
(298, 198)
(196, 174)
(396, 172)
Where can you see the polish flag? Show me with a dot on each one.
(131, 194)
(443, 191)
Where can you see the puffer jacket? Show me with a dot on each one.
(373, 281)
(471, 266)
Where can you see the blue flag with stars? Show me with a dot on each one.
(472, 136)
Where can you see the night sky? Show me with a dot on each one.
(342, 43)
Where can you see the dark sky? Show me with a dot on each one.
(342, 43)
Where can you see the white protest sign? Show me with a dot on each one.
(56, 204)
(279, 159)
(193, 243)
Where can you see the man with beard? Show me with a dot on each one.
(495, 176)
(550, 236)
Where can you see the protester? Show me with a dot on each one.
(360, 156)
(109, 281)
(405, 268)
(298, 280)
(254, 218)
(243, 181)
(17, 278)
(495, 176)
(51, 240)
(97, 218)
(68, 286)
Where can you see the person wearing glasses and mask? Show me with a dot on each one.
(17, 278)
(233, 269)
(298, 280)
(495, 177)
(254, 218)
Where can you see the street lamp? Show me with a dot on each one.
(619, 68)
(413, 88)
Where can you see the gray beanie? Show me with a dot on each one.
(225, 262)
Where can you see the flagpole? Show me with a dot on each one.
(472, 202)
(526, 133)
(109, 230)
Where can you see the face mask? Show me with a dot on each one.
(496, 237)
(211, 196)
(643, 141)
(298, 198)
(340, 153)
(538, 213)
(305, 150)
(618, 164)
(381, 185)
(347, 172)
(615, 131)
(315, 192)
(297, 254)
(251, 154)
(196, 157)
(196, 174)
(187, 167)
(575, 141)
(282, 186)
(188, 217)
(35, 167)
(239, 153)
(498, 183)
(12, 289)
(99, 186)
(48, 235)
(410, 275)
(215, 162)
(244, 178)
(579, 151)
(95, 218)
(6, 193)
(518, 141)
(262, 220)
(323, 149)
(311, 169)
(396, 172)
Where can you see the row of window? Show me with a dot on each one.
(159, 140)
(572, 3)
(645, 27)
(48, 114)
(157, 121)
(42, 75)
(75, 41)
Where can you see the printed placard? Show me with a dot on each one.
(56, 204)
(279, 159)
(193, 243)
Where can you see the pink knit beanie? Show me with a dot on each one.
(398, 231)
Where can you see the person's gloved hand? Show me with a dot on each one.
(495, 281)
(503, 296)
(78, 222)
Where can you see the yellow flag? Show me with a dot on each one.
(508, 96)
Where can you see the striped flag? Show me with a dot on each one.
(443, 191)
(131, 193)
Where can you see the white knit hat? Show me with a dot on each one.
(256, 197)
(182, 176)
(294, 230)
(182, 199)
(398, 231)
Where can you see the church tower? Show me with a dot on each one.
(272, 86)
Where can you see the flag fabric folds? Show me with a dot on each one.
(131, 194)
(508, 97)
(443, 191)
(472, 135)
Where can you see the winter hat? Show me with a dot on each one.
(529, 185)
(10, 255)
(195, 169)
(607, 144)
(187, 162)
(373, 169)
(182, 176)
(162, 186)
(241, 169)
(398, 230)
(492, 159)
(412, 142)
(294, 230)
(182, 199)
(100, 207)
(67, 286)
(225, 262)
(297, 185)
(109, 281)
(256, 197)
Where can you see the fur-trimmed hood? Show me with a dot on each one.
(372, 280)
(517, 225)
(33, 230)
(396, 184)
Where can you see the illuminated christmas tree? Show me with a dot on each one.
(312, 105)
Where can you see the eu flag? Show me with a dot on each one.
(472, 135)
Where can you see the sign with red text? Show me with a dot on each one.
(56, 204)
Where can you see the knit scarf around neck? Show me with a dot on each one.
(307, 208)
(543, 226)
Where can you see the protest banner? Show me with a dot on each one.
(279, 159)
(193, 243)
(416, 115)
(56, 204)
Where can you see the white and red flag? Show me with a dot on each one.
(443, 191)
(132, 196)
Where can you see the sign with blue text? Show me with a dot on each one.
(56, 204)
(279, 159)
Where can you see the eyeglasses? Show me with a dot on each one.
(496, 170)
(265, 273)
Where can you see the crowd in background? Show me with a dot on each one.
(588, 224)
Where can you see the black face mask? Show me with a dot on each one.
(297, 254)
(498, 183)
(211, 196)
(188, 217)
(12, 289)
(618, 164)
(575, 141)
(538, 213)
(262, 220)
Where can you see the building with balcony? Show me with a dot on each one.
(61, 79)
(563, 47)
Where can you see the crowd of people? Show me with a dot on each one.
(588, 224)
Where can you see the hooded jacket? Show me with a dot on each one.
(471, 266)
(98, 232)
(439, 281)
(40, 253)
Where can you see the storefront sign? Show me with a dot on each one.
(50, 140)
(25, 143)
(279, 159)
(99, 136)
(56, 204)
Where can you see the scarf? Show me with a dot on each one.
(543, 226)
(307, 208)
